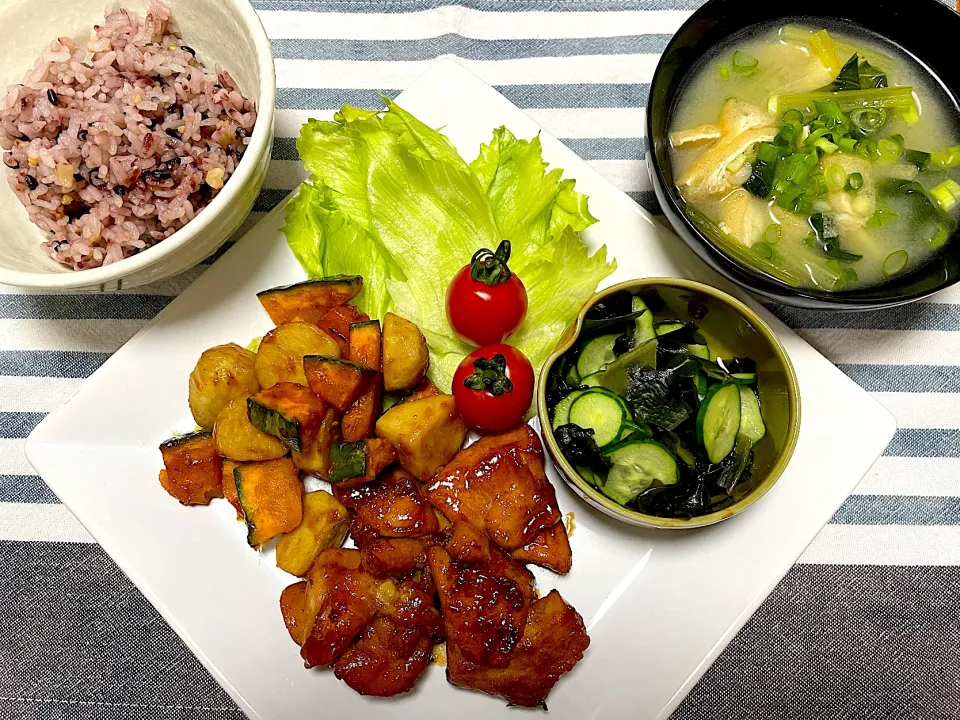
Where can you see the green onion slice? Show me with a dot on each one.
(895, 262)
(744, 63)
(855, 181)
(771, 235)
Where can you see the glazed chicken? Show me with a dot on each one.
(499, 486)
(554, 640)
(392, 506)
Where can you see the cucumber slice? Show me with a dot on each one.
(561, 413)
(666, 327)
(700, 351)
(572, 377)
(744, 378)
(593, 379)
(719, 421)
(700, 383)
(643, 328)
(635, 467)
(751, 420)
(596, 355)
(590, 476)
(600, 411)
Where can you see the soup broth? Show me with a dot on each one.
(818, 168)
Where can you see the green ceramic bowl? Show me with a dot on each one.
(733, 329)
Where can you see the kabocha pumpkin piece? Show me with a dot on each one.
(316, 458)
(360, 419)
(192, 468)
(337, 323)
(221, 374)
(309, 301)
(281, 352)
(427, 434)
(296, 615)
(405, 354)
(324, 525)
(288, 411)
(230, 486)
(237, 438)
(338, 382)
(271, 497)
(360, 462)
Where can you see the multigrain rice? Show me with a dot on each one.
(115, 144)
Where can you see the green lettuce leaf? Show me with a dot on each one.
(390, 198)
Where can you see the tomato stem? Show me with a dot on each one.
(490, 375)
(491, 267)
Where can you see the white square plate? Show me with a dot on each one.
(660, 606)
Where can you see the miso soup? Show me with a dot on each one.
(824, 159)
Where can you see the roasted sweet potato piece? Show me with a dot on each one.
(467, 544)
(424, 390)
(237, 438)
(338, 382)
(230, 486)
(392, 506)
(427, 433)
(392, 557)
(309, 301)
(365, 344)
(324, 525)
(387, 659)
(296, 616)
(221, 374)
(287, 411)
(346, 600)
(484, 604)
(281, 352)
(337, 323)
(271, 497)
(192, 471)
(405, 354)
(551, 549)
(360, 462)
(553, 641)
(499, 486)
(316, 458)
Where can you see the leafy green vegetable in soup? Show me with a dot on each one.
(389, 198)
(825, 161)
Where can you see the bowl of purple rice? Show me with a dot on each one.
(134, 141)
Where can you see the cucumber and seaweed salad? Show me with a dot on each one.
(648, 415)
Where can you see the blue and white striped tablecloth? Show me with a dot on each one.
(867, 625)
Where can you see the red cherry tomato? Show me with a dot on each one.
(493, 387)
(486, 302)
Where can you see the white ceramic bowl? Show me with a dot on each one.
(226, 34)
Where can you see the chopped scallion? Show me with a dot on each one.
(724, 71)
(854, 181)
(947, 194)
(763, 250)
(836, 177)
(881, 218)
(771, 235)
(895, 262)
(869, 121)
(828, 147)
(847, 144)
(943, 159)
(744, 63)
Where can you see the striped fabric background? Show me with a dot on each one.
(865, 626)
